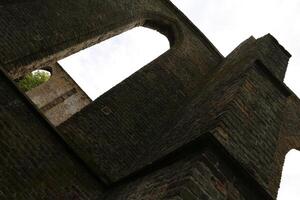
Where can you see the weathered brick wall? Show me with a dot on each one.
(62, 28)
(34, 161)
(252, 124)
(37, 32)
(289, 138)
(144, 105)
(205, 174)
(126, 136)
(250, 128)
(273, 55)
(242, 105)
(60, 97)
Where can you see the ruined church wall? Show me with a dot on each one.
(35, 162)
(60, 97)
(204, 174)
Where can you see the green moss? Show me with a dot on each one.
(33, 80)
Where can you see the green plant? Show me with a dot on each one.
(33, 80)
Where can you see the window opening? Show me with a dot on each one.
(33, 79)
(100, 67)
(290, 180)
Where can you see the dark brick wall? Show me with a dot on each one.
(39, 31)
(242, 104)
(205, 174)
(289, 138)
(62, 28)
(133, 138)
(251, 126)
(144, 105)
(35, 164)
(273, 55)
(60, 97)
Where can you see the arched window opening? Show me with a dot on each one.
(290, 180)
(99, 68)
(84, 76)
(33, 79)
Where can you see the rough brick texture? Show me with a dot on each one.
(60, 97)
(35, 162)
(189, 125)
(204, 174)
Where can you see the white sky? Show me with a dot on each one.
(100, 67)
(290, 180)
(226, 23)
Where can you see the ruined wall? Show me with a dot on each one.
(289, 138)
(250, 127)
(35, 162)
(60, 29)
(60, 97)
(206, 174)
(130, 138)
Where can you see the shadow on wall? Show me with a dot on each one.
(82, 77)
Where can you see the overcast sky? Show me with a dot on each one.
(100, 67)
(226, 23)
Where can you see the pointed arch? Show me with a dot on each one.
(100, 67)
(290, 180)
